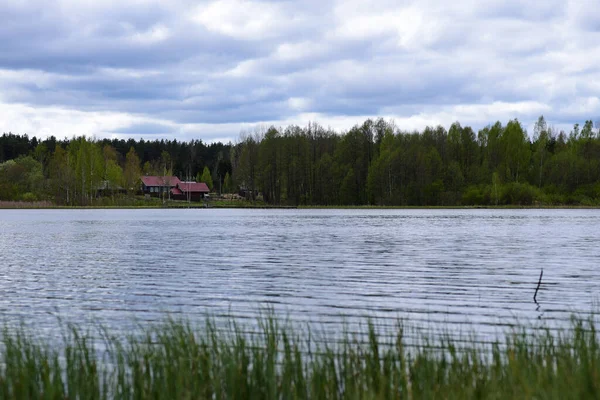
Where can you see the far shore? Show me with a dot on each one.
(40, 205)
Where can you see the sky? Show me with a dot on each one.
(210, 70)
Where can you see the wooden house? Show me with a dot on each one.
(192, 191)
(155, 185)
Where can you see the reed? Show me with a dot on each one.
(275, 360)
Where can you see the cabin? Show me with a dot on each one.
(155, 185)
(177, 189)
(192, 191)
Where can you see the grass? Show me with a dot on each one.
(25, 204)
(277, 361)
(140, 202)
(452, 207)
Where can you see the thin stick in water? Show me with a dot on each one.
(538, 285)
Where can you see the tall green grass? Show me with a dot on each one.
(278, 361)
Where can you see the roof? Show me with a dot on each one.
(176, 191)
(193, 187)
(160, 180)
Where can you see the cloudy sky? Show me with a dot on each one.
(208, 70)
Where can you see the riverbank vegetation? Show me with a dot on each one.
(375, 163)
(270, 360)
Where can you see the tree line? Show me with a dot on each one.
(84, 171)
(374, 163)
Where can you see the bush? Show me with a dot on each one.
(477, 195)
(519, 194)
(553, 195)
(472, 196)
(588, 195)
(29, 197)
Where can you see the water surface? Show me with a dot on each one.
(476, 267)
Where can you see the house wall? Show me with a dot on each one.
(196, 196)
(155, 189)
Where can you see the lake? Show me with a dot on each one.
(456, 267)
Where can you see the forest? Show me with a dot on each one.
(374, 163)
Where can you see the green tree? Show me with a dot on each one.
(516, 151)
(86, 160)
(10, 173)
(114, 176)
(541, 138)
(382, 177)
(22, 179)
(41, 154)
(227, 184)
(62, 177)
(132, 173)
(325, 184)
(587, 132)
(269, 166)
(206, 178)
(245, 165)
(348, 189)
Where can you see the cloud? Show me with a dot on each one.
(207, 70)
(146, 128)
(245, 20)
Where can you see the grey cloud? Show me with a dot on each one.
(146, 129)
(498, 51)
(56, 43)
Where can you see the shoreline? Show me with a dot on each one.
(27, 206)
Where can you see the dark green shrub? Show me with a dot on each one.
(477, 195)
(519, 194)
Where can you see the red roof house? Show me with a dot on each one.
(190, 191)
(158, 184)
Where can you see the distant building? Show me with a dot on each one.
(154, 185)
(193, 191)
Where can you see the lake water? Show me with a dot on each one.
(456, 267)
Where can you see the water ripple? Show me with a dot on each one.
(456, 267)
